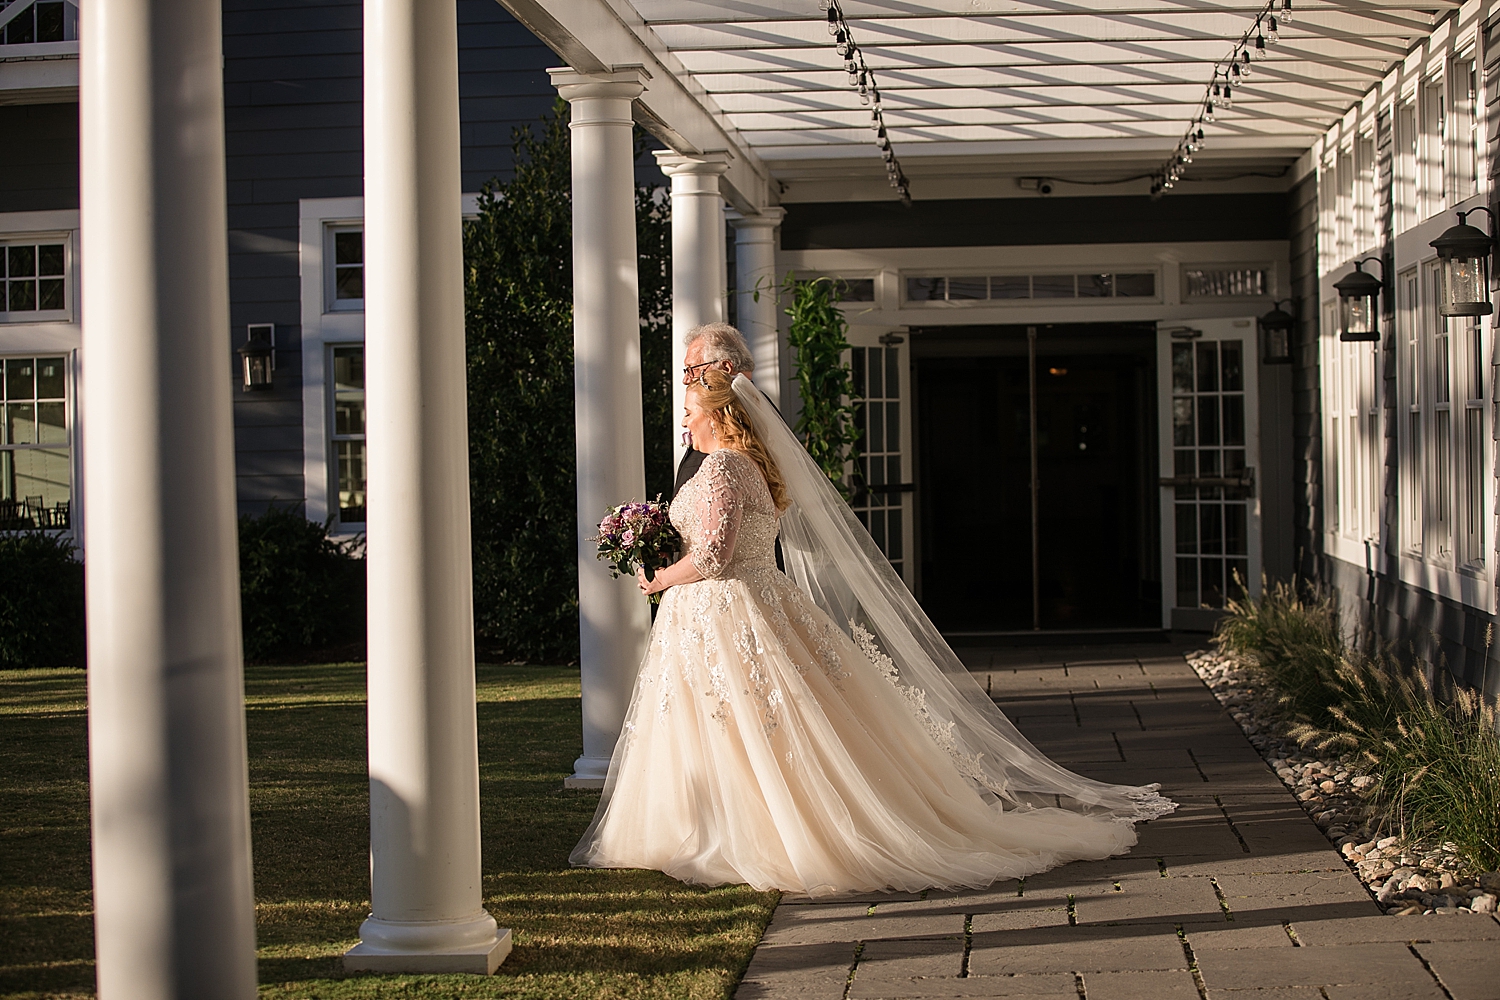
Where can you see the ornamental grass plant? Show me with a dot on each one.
(1434, 754)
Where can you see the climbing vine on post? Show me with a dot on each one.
(818, 342)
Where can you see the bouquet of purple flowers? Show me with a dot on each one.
(638, 535)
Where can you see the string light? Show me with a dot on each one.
(1219, 92)
(862, 80)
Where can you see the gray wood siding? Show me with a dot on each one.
(41, 157)
(293, 120)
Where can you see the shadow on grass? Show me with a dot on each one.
(583, 933)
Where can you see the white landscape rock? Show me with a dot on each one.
(1406, 878)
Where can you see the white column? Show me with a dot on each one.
(699, 277)
(613, 618)
(755, 282)
(173, 903)
(424, 763)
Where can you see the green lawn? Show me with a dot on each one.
(578, 933)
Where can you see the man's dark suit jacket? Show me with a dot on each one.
(687, 469)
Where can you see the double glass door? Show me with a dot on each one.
(1209, 455)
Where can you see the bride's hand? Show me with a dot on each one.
(648, 587)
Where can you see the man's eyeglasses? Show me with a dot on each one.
(696, 372)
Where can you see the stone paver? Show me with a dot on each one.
(1236, 896)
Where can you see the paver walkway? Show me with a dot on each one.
(1236, 895)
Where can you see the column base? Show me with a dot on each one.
(588, 772)
(474, 946)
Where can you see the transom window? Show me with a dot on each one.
(43, 21)
(35, 464)
(348, 432)
(1010, 287)
(1225, 282)
(34, 279)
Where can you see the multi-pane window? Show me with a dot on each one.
(1224, 282)
(1344, 224)
(35, 467)
(1009, 287)
(1365, 235)
(346, 275)
(1430, 152)
(1208, 443)
(878, 493)
(348, 426)
(33, 278)
(1328, 213)
(44, 21)
(1407, 157)
(1462, 151)
(1353, 455)
(1444, 441)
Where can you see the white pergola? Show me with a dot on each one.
(754, 107)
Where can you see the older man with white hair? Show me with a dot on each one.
(712, 345)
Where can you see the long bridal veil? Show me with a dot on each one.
(829, 554)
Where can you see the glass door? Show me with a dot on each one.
(1209, 454)
(882, 480)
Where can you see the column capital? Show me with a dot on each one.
(710, 164)
(766, 218)
(625, 83)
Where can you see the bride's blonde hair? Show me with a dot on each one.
(734, 429)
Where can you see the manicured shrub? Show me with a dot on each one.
(300, 590)
(41, 601)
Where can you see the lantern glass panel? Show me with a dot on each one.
(1465, 286)
(257, 371)
(1357, 313)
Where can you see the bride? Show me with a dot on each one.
(811, 731)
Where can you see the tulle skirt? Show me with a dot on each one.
(763, 745)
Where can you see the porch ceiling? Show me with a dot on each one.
(1040, 82)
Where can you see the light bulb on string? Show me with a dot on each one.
(1208, 112)
(1228, 96)
(1273, 32)
(1235, 71)
(1286, 11)
(833, 18)
(1216, 95)
(1245, 62)
(1260, 46)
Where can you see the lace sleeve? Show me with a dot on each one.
(719, 512)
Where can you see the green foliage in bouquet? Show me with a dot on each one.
(519, 322)
(41, 601)
(818, 341)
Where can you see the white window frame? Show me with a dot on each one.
(322, 328)
(50, 334)
(70, 280)
(331, 301)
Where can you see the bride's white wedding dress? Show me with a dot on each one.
(765, 744)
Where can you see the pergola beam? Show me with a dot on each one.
(597, 37)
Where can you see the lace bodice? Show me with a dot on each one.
(726, 516)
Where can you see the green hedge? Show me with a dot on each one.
(300, 591)
(41, 602)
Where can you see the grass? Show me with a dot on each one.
(577, 933)
(1436, 760)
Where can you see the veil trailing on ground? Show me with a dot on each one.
(829, 554)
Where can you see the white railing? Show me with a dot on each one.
(32, 28)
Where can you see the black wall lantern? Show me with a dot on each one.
(258, 356)
(1276, 335)
(1464, 275)
(1359, 302)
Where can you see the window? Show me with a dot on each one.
(35, 462)
(1344, 207)
(1011, 287)
(1224, 283)
(1409, 391)
(1365, 235)
(46, 21)
(854, 290)
(348, 437)
(1462, 167)
(1405, 179)
(1327, 221)
(346, 273)
(877, 500)
(1352, 383)
(1468, 345)
(1430, 150)
(34, 276)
